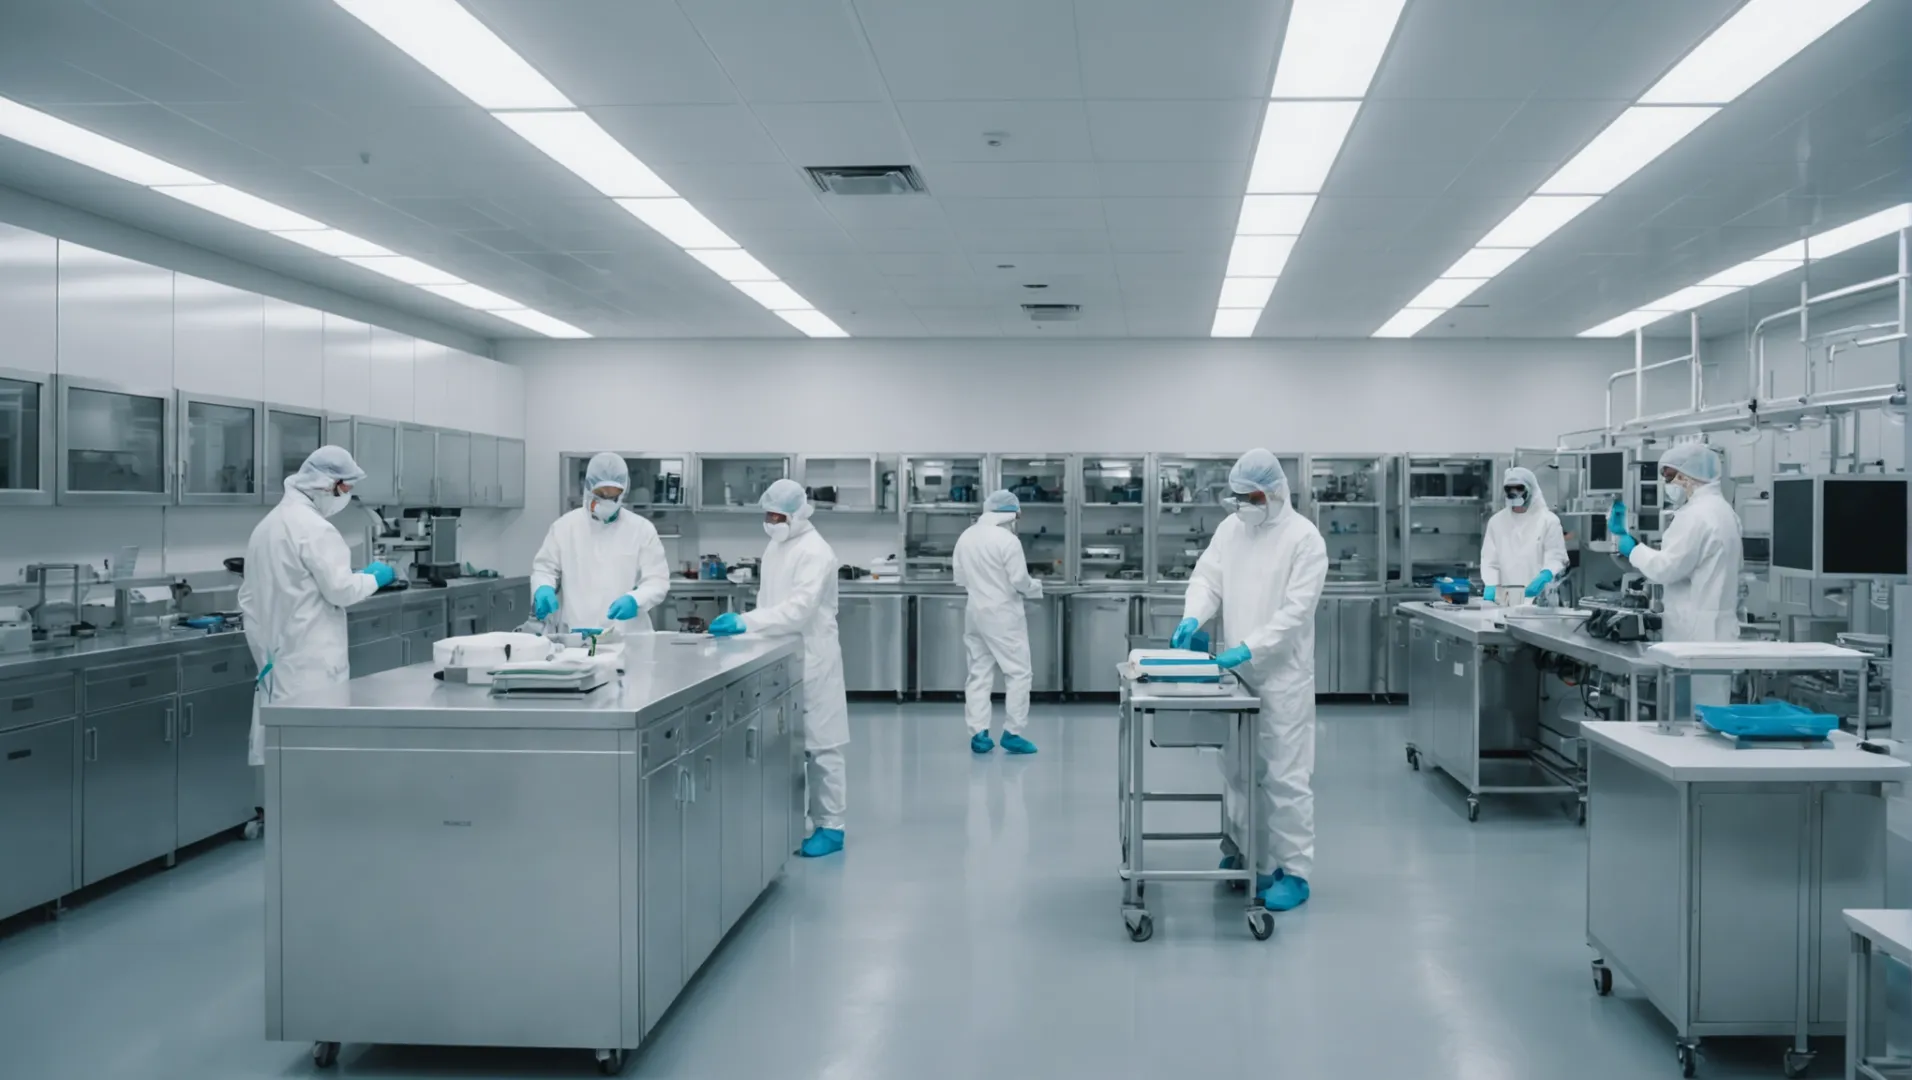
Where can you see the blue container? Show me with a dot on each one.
(1770, 719)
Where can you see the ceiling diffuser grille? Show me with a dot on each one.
(1053, 312)
(866, 179)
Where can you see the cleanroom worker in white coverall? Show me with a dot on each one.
(993, 569)
(1524, 548)
(601, 563)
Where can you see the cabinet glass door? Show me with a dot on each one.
(452, 469)
(26, 439)
(375, 446)
(736, 483)
(659, 482)
(1113, 522)
(1448, 502)
(1192, 501)
(115, 445)
(220, 459)
(842, 484)
(417, 465)
(1349, 496)
(943, 496)
(1040, 483)
(511, 473)
(291, 437)
(484, 471)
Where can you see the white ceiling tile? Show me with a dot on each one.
(1194, 215)
(1213, 241)
(788, 50)
(766, 244)
(1176, 131)
(959, 321)
(610, 52)
(937, 291)
(740, 216)
(835, 133)
(1165, 265)
(884, 211)
(662, 135)
(1035, 241)
(977, 50)
(1148, 49)
(1153, 179)
(903, 241)
(967, 214)
(1053, 268)
(880, 322)
(762, 180)
(1011, 179)
(1030, 130)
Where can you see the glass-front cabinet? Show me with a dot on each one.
(843, 483)
(1112, 516)
(660, 480)
(733, 483)
(1193, 498)
(374, 445)
(1350, 500)
(1040, 483)
(1449, 498)
(26, 438)
(943, 493)
(291, 436)
(115, 445)
(417, 465)
(220, 450)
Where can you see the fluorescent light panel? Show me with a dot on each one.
(1444, 293)
(333, 242)
(1635, 138)
(733, 264)
(1846, 237)
(406, 269)
(1746, 48)
(456, 47)
(1536, 219)
(1246, 292)
(576, 142)
(813, 323)
(1407, 322)
(1332, 47)
(1299, 142)
(542, 323)
(774, 295)
(1274, 215)
(1235, 322)
(248, 210)
(1484, 262)
(1624, 324)
(93, 150)
(472, 296)
(1259, 256)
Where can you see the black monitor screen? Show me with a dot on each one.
(1792, 524)
(1597, 528)
(1864, 527)
(1756, 549)
(1606, 471)
(1649, 521)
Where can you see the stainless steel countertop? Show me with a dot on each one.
(663, 672)
(1568, 639)
(1480, 625)
(425, 594)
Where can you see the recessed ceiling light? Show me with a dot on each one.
(1332, 47)
(245, 209)
(1274, 215)
(1246, 292)
(1846, 237)
(1624, 324)
(1299, 142)
(576, 142)
(1537, 219)
(83, 147)
(679, 222)
(733, 264)
(1035, 285)
(1407, 322)
(774, 295)
(1746, 48)
(1690, 297)
(1259, 256)
(1484, 262)
(542, 323)
(406, 269)
(1444, 293)
(1753, 272)
(473, 296)
(1235, 322)
(1635, 138)
(456, 47)
(813, 323)
(333, 242)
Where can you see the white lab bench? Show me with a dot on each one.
(1874, 931)
(1716, 877)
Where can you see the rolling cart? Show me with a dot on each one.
(1202, 717)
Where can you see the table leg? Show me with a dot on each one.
(1858, 1007)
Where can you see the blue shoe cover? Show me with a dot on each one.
(1285, 893)
(981, 743)
(1016, 744)
(822, 842)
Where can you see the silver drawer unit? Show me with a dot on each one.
(364, 628)
(124, 684)
(36, 699)
(215, 668)
(38, 841)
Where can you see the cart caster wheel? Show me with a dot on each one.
(1141, 927)
(610, 1062)
(1414, 759)
(325, 1054)
(1261, 924)
(1689, 1059)
(1602, 979)
(253, 830)
(1473, 810)
(1798, 1062)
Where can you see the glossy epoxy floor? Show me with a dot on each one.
(972, 929)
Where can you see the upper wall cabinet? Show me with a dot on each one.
(294, 354)
(218, 339)
(116, 320)
(348, 366)
(391, 383)
(431, 374)
(26, 438)
(292, 433)
(115, 444)
(29, 300)
(220, 449)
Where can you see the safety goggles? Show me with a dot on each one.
(1514, 491)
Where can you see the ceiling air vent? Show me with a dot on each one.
(1052, 312)
(866, 179)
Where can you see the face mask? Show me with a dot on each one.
(602, 509)
(1675, 493)
(1517, 499)
(329, 504)
(1252, 515)
(779, 530)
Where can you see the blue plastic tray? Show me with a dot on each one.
(1767, 720)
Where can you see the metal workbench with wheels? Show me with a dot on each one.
(1201, 719)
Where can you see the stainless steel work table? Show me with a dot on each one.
(449, 868)
(1872, 931)
(1473, 700)
(1716, 877)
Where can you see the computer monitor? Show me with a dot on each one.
(1847, 526)
(1755, 550)
(1606, 473)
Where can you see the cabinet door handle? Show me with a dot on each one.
(189, 719)
(92, 744)
(169, 723)
(681, 795)
(750, 743)
(710, 770)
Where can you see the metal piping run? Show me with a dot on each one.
(1756, 342)
(1634, 373)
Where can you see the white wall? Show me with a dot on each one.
(891, 396)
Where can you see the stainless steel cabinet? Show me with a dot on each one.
(1324, 643)
(417, 465)
(511, 473)
(26, 438)
(1160, 616)
(127, 804)
(116, 445)
(780, 748)
(1398, 658)
(214, 779)
(510, 605)
(703, 853)
(1044, 617)
(661, 876)
(1099, 629)
(291, 436)
(36, 815)
(870, 629)
(1356, 623)
(451, 469)
(221, 442)
(375, 446)
(418, 643)
(470, 610)
(942, 665)
(372, 657)
(484, 471)
(743, 775)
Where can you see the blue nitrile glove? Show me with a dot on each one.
(1184, 630)
(1199, 643)
(544, 602)
(1233, 658)
(1626, 545)
(381, 573)
(1539, 583)
(624, 607)
(1617, 518)
(726, 625)
(1489, 594)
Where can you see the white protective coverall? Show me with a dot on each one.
(1697, 563)
(1264, 581)
(1518, 546)
(591, 563)
(799, 597)
(299, 581)
(993, 568)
